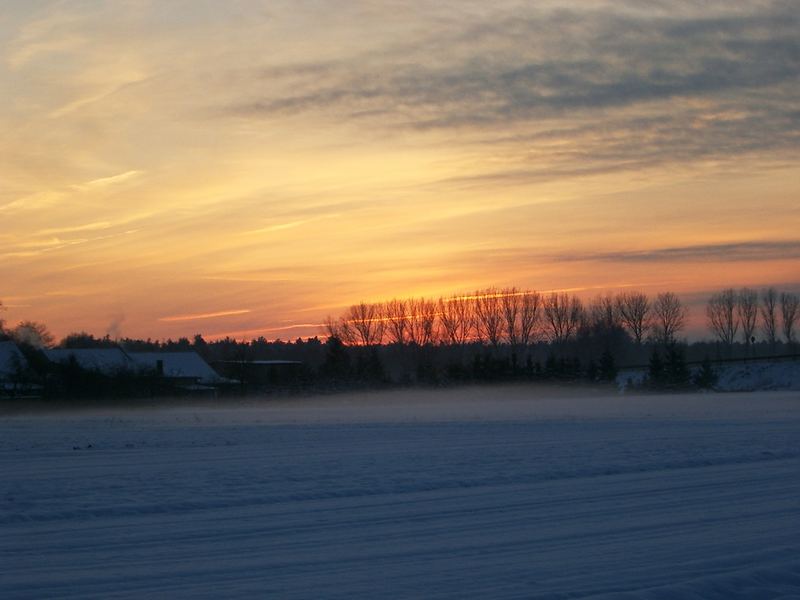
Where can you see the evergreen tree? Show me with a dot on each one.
(676, 369)
(550, 366)
(608, 368)
(706, 377)
(337, 359)
(655, 372)
(591, 370)
(375, 372)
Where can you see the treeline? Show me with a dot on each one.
(491, 335)
(771, 313)
(517, 318)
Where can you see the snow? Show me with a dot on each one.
(479, 493)
(751, 376)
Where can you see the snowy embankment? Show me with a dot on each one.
(745, 377)
(475, 493)
(737, 377)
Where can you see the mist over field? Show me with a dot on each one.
(481, 492)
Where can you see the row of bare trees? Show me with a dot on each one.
(508, 316)
(730, 311)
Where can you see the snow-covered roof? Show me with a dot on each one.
(10, 359)
(178, 364)
(104, 360)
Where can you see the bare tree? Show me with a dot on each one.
(669, 317)
(512, 304)
(428, 312)
(604, 313)
(635, 313)
(530, 315)
(747, 310)
(721, 315)
(342, 329)
(563, 314)
(789, 311)
(489, 315)
(395, 314)
(331, 327)
(769, 319)
(413, 326)
(421, 321)
(455, 316)
(366, 320)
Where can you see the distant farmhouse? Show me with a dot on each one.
(183, 370)
(114, 372)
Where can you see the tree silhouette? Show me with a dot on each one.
(366, 320)
(655, 369)
(722, 317)
(669, 317)
(530, 315)
(395, 313)
(563, 314)
(769, 320)
(608, 367)
(635, 312)
(489, 315)
(33, 333)
(790, 303)
(604, 313)
(511, 305)
(421, 321)
(747, 311)
(456, 319)
(706, 377)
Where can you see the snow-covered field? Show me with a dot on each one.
(477, 493)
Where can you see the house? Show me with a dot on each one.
(184, 370)
(108, 361)
(187, 369)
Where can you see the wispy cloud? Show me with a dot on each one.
(110, 180)
(308, 328)
(37, 247)
(727, 252)
(200, 316)
(276, 227)
(75, 228)
(639, 86)
(51, 32)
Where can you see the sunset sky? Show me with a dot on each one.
(246, 167)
